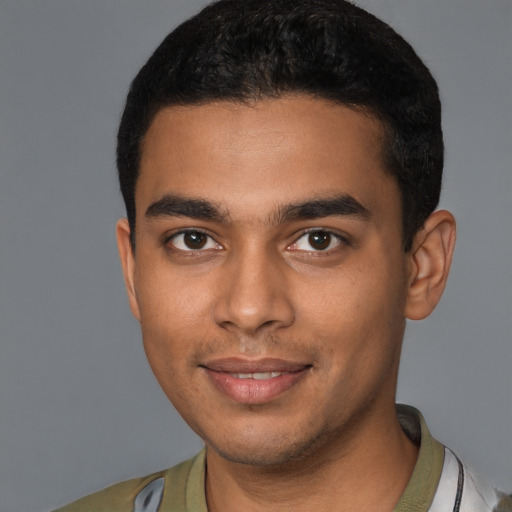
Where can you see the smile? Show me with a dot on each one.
(254, 382)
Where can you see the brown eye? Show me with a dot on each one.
(195, 239)
(192, 240)
(319, 240)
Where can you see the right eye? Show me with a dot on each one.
(193, 240)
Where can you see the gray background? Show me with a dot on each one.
(79, 407)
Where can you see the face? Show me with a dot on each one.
(268, 276)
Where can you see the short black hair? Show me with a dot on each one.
(246, 50)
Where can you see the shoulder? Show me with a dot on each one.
(466, 490)
(117, 497)
(440, 481)
(139, 494)
(479, 494)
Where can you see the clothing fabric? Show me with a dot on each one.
(440, 482)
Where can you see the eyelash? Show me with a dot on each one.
(190, 252)
(341, 240)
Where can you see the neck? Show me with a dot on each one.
(351, 472)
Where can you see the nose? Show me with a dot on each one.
(253, 295)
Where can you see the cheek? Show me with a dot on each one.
(342, 299)
(171, 300)
(358, 310)
(175, 318)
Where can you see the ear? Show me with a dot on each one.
(430, 262)
(127, 263)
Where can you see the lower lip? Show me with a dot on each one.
(253, 391)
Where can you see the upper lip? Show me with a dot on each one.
(241, 365)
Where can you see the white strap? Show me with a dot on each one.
(446, 493)
(459, 490)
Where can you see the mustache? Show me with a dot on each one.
(267, 345)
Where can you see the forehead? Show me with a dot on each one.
(263, 153)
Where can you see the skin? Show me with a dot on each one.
(258, 279)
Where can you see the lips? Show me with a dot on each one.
(254, 381)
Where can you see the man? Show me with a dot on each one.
(281, 164)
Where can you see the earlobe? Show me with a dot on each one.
(127, 263)
(430, 262)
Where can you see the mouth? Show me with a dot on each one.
(253, 382)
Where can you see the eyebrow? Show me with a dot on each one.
(343, 205)
(172, 205)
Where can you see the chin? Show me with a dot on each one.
(267, 450)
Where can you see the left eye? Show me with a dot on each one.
(317, 241)
(193, 241)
